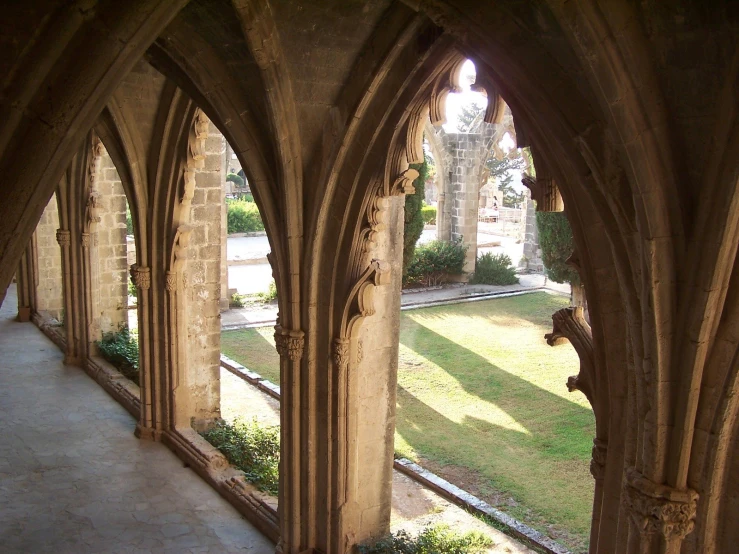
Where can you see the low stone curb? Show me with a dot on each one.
(247, 261)
(475, 505)
(430, 480)
(250, 376)
(250, 234)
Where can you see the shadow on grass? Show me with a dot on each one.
(536, 466)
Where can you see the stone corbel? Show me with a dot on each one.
(570, 324)
(598, 460)
(360, 302)
(376, 211)
(659, 509)
(545, 193)
(403, 183)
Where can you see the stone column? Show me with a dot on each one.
(531, 250)
(73, 354)
(465, 149)
(26, 277)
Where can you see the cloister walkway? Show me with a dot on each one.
(74, 479)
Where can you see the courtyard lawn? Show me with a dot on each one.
(254, 349)
(482, 401)
(482, 397)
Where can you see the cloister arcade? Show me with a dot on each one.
(630, 112)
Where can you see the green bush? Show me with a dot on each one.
(439, 539)
(494, 270)
(434, 262)
(429, 215)
(253, 449)
(271, 293)
(237, 300)
(555, 240)
(243, 217)
(237, 180)
(121, 348)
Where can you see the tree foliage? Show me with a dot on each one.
(555, 240)
(413, 221)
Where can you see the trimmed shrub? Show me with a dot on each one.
(253, 449)
(429, 215)
(555, 240)
(413, 218)
(237, 180)
(432, 540)
(494, 269)
(243, 217)
(121, 348)
(434, 262)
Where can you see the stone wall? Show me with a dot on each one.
(531, 250)
(50, 286)
(203, 281)
(112, 298)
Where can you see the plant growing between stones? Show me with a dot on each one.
(237, 300)
(432, 540)
(121, 348)
(250, 447)
(494, 269)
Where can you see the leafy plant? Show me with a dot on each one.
(555, 240)
(129, 220)
(243, 216)
(121, 348)
(271, 293)
(439, 539)
(253, 449)
(429, 215)
(494, 269)
(237, 300)
(132, 290)
(236, 179)
(435, 261)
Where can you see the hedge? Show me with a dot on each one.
(243, 217)
(429, 215)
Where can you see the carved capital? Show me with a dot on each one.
(598, 461)
(340, 353)
(545, 193)
(85, 238)
(141, 277)
(289, 344)
(63, 237)
(658, 508)
(170, 281)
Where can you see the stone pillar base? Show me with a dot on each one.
(147, 433)
(24, 314)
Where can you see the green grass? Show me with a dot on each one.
(482, 397)
(255, 349)
(479, 388)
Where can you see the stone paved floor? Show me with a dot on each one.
(73, 479)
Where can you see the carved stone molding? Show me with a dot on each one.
(141, 277)
(570, 324)
(545, 193)
(658, 508)
(484, 84)
(447, 82)
(360, 301)
(92, 211)
(63, 237)
(85, 238)
(598, 461)
(197, 142)
(289, 344)
(180, 249)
